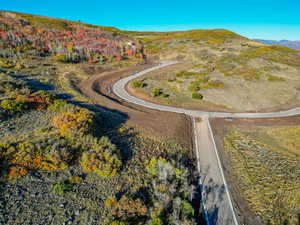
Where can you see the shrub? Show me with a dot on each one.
(156, 92)
(164, 95)
(138, 84)
(172, 80)
(186, 74)
(79, 121)
(61, 58)
(102, 159)
(47, 154)
(15, 172)
(215, 84)
(75, 180)
(194, 86)
(62, 188)
(40, 99)
(156, 219)
(13, 105)
(275, 78)
(128, 208)
(58, 105)
(197, 95)
(188, 209)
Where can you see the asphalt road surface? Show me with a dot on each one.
(218, 205)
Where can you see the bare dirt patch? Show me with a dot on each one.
(158, 124)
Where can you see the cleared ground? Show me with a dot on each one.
(156, 123)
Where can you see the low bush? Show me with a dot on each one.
(39, 99)
(15, 172)
(127, 208)
(75, 180)
(164, 95)
(138, 84)
(197, 95)
(103, 159)
(61, 58)
(13, 105)
(186, 74)
(58, 105)
(62, 188)
(194, 86)
(215, 84)
(45, 154)
(156, 92)
(275, 78)
(199, 83)
(79, 121)
(172, 80)
(188, 209)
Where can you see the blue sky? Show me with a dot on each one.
(267, 19)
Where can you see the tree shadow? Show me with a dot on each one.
(34, 83)
(212, 194)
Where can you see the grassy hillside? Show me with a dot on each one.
(226, 69)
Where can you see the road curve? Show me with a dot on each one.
(218, 205)
(119, 88)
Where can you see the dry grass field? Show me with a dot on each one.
(227, 71)
(264, 159)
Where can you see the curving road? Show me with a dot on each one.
(119, 89)
(219, 207)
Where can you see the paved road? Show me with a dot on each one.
(215, 195)
(217, 201)
(120, 90)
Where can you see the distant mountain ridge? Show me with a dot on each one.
(286, 43)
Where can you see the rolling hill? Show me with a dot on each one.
(226, 71)
(286, 43)
(68, 159)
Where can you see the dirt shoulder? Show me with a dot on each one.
(220, 128)
(156, 123)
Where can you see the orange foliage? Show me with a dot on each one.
(79, 121)
(15, 172)
(127, 207)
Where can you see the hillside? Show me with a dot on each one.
(285, 43)
(71, 152)
(25, 35)
(65, 159)
(220, 70)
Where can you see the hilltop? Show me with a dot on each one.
(220, 70)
